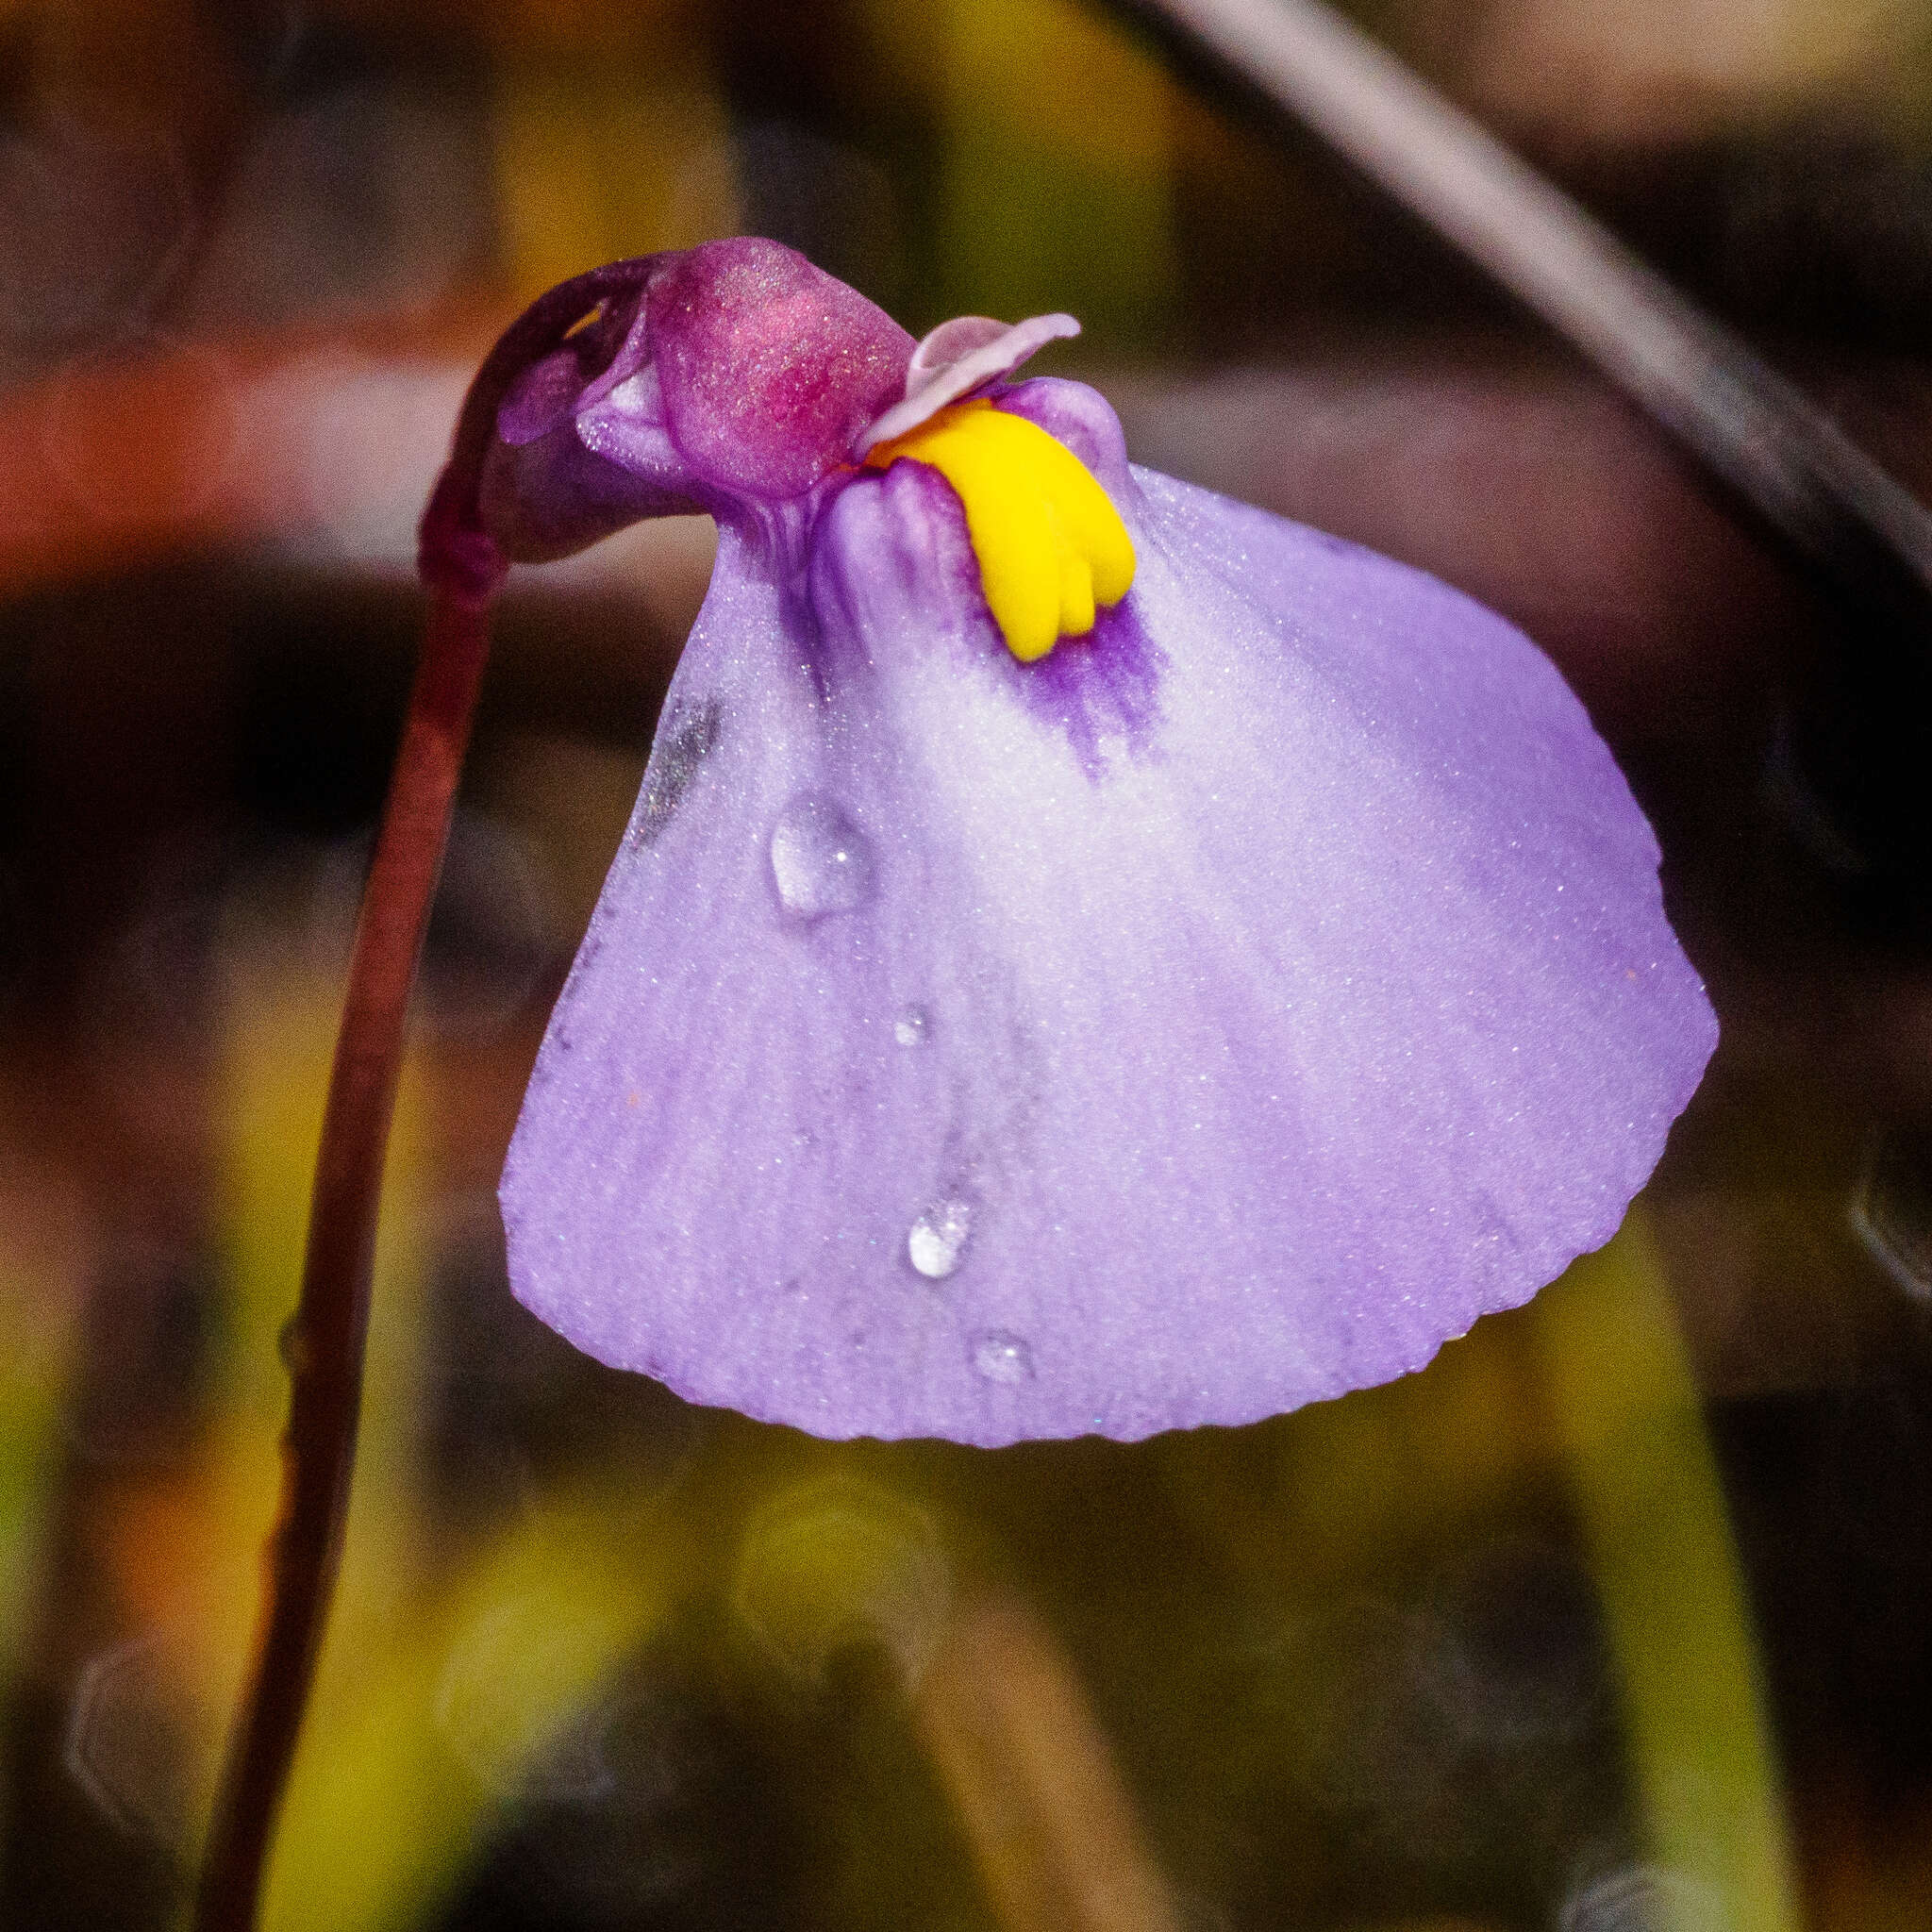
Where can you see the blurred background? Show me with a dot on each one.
(1618, 1617)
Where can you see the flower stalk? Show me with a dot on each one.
(331, 1321)
(461, 568)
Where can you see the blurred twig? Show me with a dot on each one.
(1850, 525)
(1048, 1813)
(1692, 376)
(1652, 1506)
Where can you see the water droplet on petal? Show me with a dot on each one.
(913, 1027)
(937, 1245)
(820, 860)
(1002, 1358)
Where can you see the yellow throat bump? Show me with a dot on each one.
(1049, 543)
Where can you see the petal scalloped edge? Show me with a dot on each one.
(1209, 1019)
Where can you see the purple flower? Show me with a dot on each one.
(1214, 1013)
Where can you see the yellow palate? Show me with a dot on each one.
(1050, 546)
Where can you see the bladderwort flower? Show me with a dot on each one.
(1088, 956)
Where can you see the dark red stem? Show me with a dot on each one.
(332, 1319)
(462, 566)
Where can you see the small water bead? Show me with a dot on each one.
(913, 1027)
(821, 861)
(937, 1245)
(1002, 1358)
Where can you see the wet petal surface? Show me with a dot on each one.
(1221, 1027)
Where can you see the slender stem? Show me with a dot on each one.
(332, 1319)
(462, 566)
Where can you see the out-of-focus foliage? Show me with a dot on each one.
(1476, 1650)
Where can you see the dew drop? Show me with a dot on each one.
(1002, 1358)
(820, 860)
(913, 1027)
(937, 1245)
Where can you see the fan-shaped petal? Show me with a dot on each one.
(1218, 1015)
